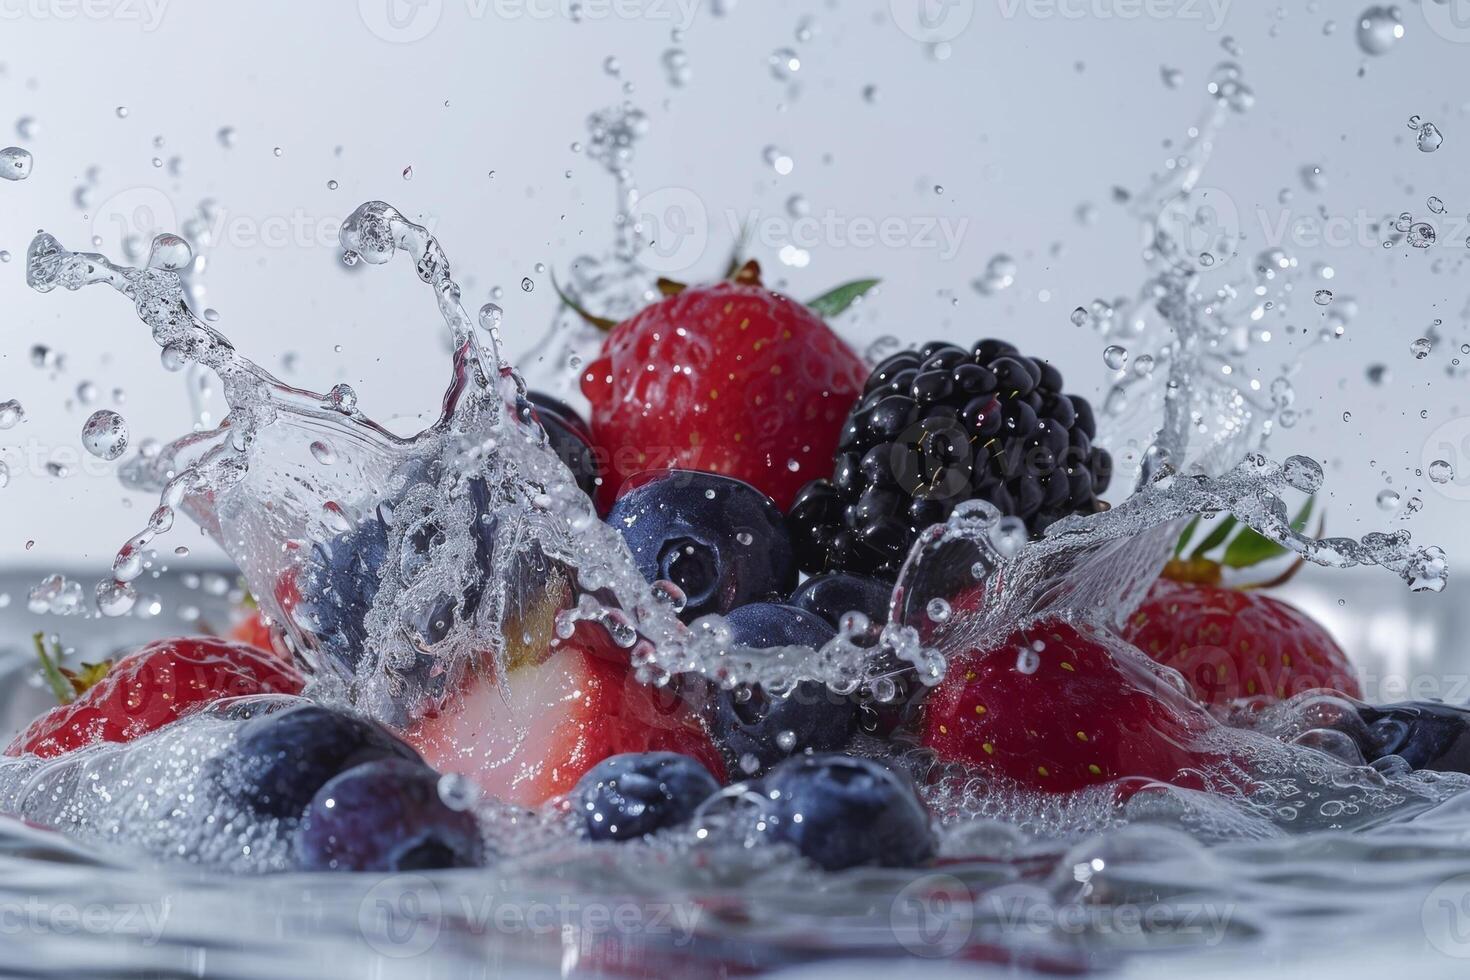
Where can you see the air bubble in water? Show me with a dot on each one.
(11, 414)
(1115, 357)
(1435, 205)
(322, 453)
(1028, 661)
(1322, 297)
(1388, 500)
(527, 285)
(15, 163)
(1440, 471)
(1379, 29)
(105, 434)
(938, 610)
(1430, 138)
(1421, 348)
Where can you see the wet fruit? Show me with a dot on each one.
(153, 686)
(940, 426)
(841, 812)
(386, 816)
(1230, 644)
(730, 378)
(635, 794)
(721, 541)
(1056, 709)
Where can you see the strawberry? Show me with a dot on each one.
(150, 688)
(1090, 712)
(1232, 644)
(254, 630)
(558, 711)
(730, 378)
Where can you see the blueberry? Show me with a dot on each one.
(279, 761)
(1426, 734)
(568, 436)
(841, 812)
(762, 729)
(634, 794)
(836, 593)
(720, 540)
(386, 816)
(339, 579)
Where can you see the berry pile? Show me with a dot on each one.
(940, 426)
(709, 409)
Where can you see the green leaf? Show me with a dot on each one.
(1215, 538)
(51, 670)
(1299, 522)
(834, 302)
(600, 322)
(1249, 548)
(1186, 536)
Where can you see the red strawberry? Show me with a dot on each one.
(1089, 713)
(1233, 644)
(153, 686)
(557, 713)
(254, 630)
(730, 378)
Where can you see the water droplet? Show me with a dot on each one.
(784, 63)
(332, 185)
(1322, 297)
(527, 285)
(11, 414)
(1388, 500)
(612, 65)
(408, 172)
(323, 453)
(1000, 275)
(105, 434)
(342, 398)
(676, 67)
(1377, 374)
(1421, 348)
(1079, 317)
(1440, 471)
(778, 160)
(226, 136)
(1172, 77)
(1430, 138)
(1115, 357)
(1436, 205)
(1313, 179)
(15, 163)
(1379, 29)
(1421, 234)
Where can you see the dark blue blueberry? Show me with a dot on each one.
(841, 812)
(837, 593)
(386, 816)
(339, 579)
(637, 793)
(757, 731)
(720, 540)
(1426, 734)
(279, 761)
(569, 437)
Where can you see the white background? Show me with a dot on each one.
(1038, 108)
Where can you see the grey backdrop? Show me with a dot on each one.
(1026, 110)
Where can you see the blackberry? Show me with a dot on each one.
(936, 427)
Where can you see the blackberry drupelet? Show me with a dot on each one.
(939, 426)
